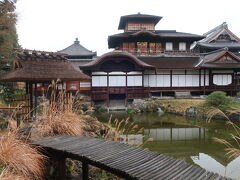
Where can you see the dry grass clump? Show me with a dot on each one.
(19, 158)
(6, 175)
(65, 123)
(62, 123)
(58, 117)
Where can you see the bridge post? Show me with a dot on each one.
(84, 170)
(62, 168)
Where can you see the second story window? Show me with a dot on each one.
(169, 46)
(182, 46)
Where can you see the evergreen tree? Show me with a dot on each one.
(8, 43)
(8, 34)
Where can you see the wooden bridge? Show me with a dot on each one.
(121, 159)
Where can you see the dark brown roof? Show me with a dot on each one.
(222, 58)
(218, 45)
(172, 62)
(113, 54)
(152, 36)
(42, 66)
(138, 18)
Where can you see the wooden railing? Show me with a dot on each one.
(101, 93)
(224, 88)
(149, 52)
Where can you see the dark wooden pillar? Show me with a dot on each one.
(204, 82)
(31, 98)
(84, 171)
(170, 78)
(107, 89)
(210, 78)
(126, 90)
(35, 98)
(91, 90)
(200, 78)
(62, 168)
(27, 87)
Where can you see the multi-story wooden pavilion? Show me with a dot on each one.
(37, 69)
(147, 61)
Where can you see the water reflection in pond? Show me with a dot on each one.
(188, 139)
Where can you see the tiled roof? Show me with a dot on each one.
(218, 59)
(76, 49)
(172, 62)
(211, 40)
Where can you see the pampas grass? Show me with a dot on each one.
(117, 130)
(20, 159)
(59, 118)
(233, 151)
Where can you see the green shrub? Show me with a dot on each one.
(7, 93)
(219, 99)
(238, 94)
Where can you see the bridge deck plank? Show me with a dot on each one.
(124, 160)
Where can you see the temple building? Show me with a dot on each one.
(146, 62)
(217, 38)
(78, 55)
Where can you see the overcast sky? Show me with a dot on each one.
(52, 25)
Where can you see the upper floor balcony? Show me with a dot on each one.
(160, 52)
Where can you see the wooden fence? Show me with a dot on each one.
(24, 104)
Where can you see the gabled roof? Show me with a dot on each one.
(215, 32)
(222, 58)
(42, 66)
(138, 18)
(76, 49)
(218, 38)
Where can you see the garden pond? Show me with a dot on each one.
(184, 138)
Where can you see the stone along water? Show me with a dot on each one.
(184, 138)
